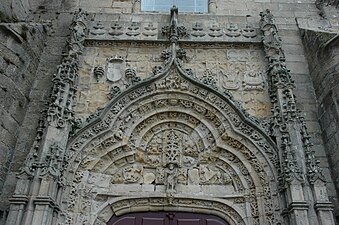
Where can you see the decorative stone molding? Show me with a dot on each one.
(120, 206)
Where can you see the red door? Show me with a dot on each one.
(166, 218)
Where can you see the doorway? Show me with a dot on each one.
(166, 218)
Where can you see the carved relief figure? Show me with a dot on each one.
(171, 177)
(209, 175)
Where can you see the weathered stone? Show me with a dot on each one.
(166, 127)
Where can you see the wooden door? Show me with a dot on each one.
(166, 218)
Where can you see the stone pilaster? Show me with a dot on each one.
(41, 178)
(297, 159)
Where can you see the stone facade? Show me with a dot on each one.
(108, 110)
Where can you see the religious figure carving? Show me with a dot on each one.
(77, 37)
(209, 175)
(171, 177)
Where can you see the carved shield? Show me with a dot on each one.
(114, 69)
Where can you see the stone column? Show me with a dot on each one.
(41, 178)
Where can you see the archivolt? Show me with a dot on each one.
(120, 206)
(129, 122)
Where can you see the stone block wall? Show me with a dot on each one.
(20, 49)
(26, 70)
(323, 56)
(17, 10)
